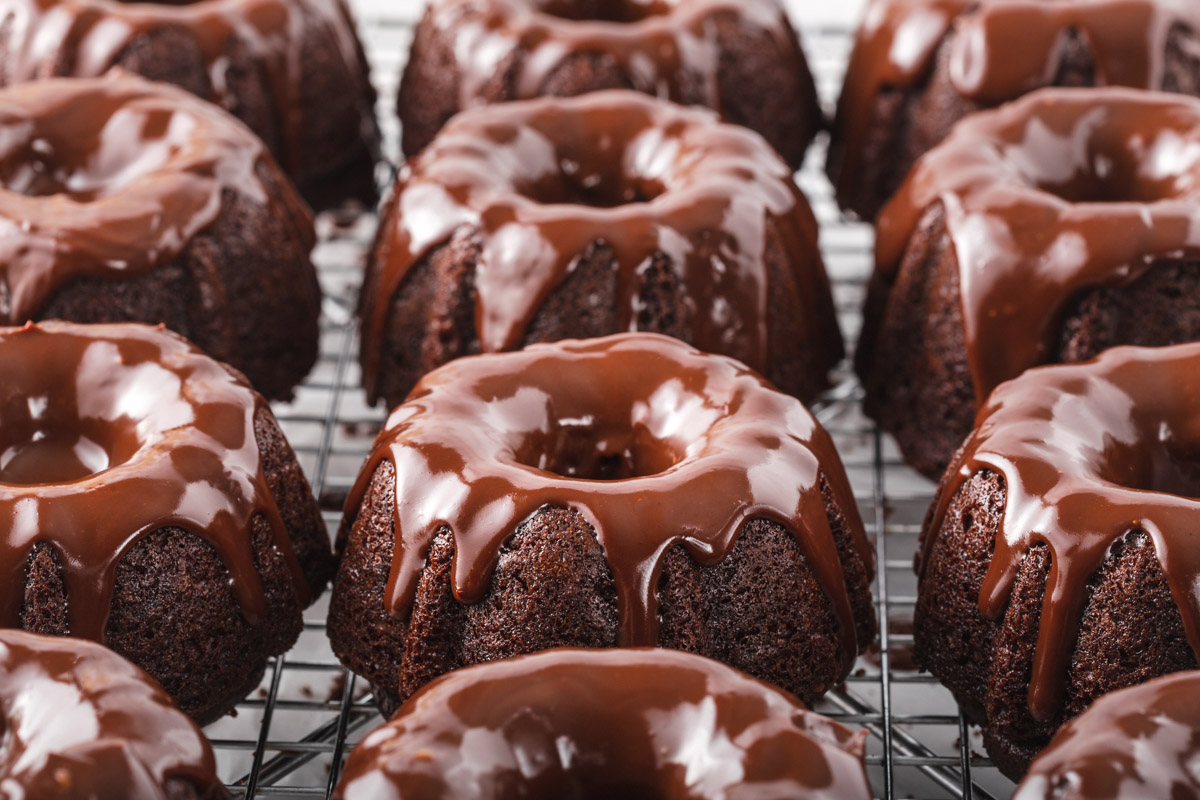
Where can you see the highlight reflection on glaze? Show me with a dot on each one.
(605, 723)
(109, 433)
(540, 181)
(79, 721)
(1089, 453)
(1059, 192)
(898, 39)
(1136, 743)
(652, 442)
(110, 178)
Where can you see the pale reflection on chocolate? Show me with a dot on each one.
(1138, 743)
(1089, 453)
(78, 722)
(652, 442)
(1001, 50)
(1061, 191)
(601, 724)
(109, 433)
(85, 38)
(110, 178)
(541, 180)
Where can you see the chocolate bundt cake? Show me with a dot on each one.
(292, 70)
(919, 66)
(625, 491)
(1042, 232)
(558, 219)
(82, 723)
(127, 201)
(741, 58)
(1136, 743)
(1059, 560)
(602, 724)
(149, 501)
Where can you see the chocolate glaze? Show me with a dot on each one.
(666, 47)
(1000, 50)
(1141, 742)
(1089, 453)
(85, 38)
(110, 178)
(81, 722)
(592, 723)
(542, 180)
(109, 433)
(1063, 190)
(652, 442)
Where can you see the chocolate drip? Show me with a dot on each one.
(698, 445)
(79, 721)
(541, 180)
(109, 433)
(594, 723)
(110, 178)
(1000, 50)
(665, 47)
(1089, 453)
(85, 38)
(1137, 743)
(1059, 192)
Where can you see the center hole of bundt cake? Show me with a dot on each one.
(40, 447)
(1114, 169)
(1163, 468)
(579, 449)
(88, 157)
(605, 10)
(594, 186)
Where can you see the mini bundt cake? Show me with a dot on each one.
(127, 201)
(919, 66)
(292, 70)
(602, 724)
(558, 219)
(1043, 232)
(741, 58)
(82, 723)
(1059, 560)
(1134, 744)
(625, 491)
(149, 501)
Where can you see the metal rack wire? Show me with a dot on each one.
(290, 738)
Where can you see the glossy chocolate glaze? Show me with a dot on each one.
(615, 723)
(85, 38)
(1137, 743)
(652, 442)
(1001, 49)
(79, 721)
(110, 178)
(665, 46)
(542, 180)
(109, 433)
(1089, 453)
(1061, 191)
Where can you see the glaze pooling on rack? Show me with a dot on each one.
(653, 443)
(542, 180)
(1047, 197)
(1130, 744)
(898, 39)
(80, 721)
(1089, 453)
(112, 432)
(111, 178)
(655, 722)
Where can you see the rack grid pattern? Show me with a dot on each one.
(290, 738)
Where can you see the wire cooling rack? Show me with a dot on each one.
(289, 739)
